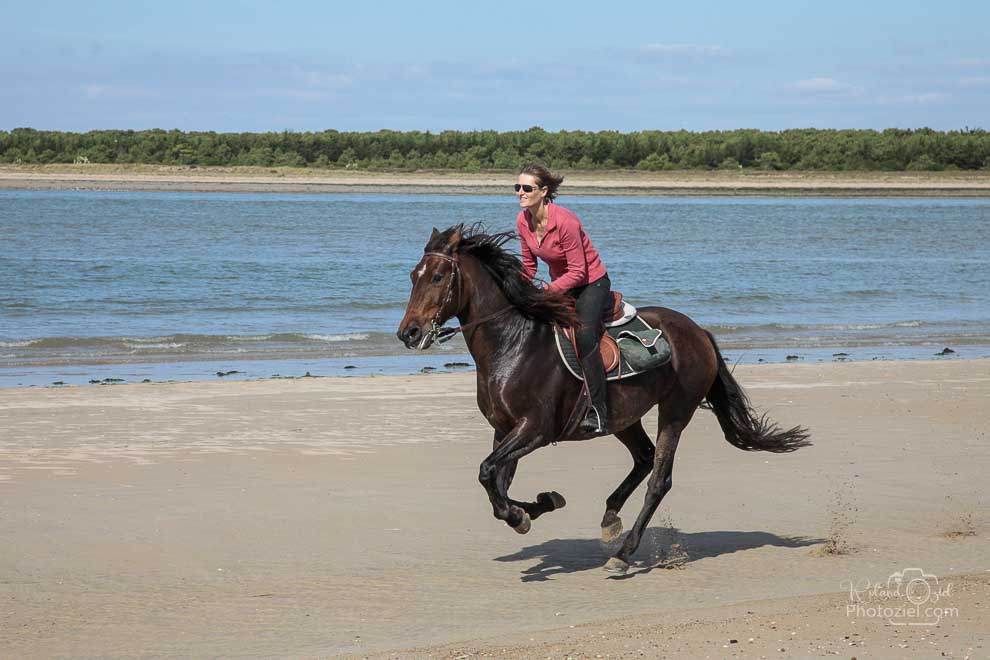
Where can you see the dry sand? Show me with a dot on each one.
(300, 180)
(317, 517)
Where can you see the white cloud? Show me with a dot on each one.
(922, 99)
(972, 63)
(681, 49)
(819, 89)
(300, 94)
(825, 88)
(117, 92)
(418, 70)
(819, 85)
(680, 82)
(926, 98)
(325, 79)
(975, 82)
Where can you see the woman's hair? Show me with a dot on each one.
(546, 178)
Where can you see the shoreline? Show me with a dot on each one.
(77, 374)
(148, 178)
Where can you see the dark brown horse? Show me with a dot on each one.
(527, 395)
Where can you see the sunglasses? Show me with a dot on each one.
(525, 187)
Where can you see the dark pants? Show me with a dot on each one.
(590, 301)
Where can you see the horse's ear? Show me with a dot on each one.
(454, 241)
(433, 240)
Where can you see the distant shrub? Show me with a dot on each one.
(803, 149)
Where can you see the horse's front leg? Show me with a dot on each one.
(496, 471)
(545, 502)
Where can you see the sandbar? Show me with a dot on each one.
(153, 178)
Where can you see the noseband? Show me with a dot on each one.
(439, 333)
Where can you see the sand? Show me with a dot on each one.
(153, 178)
(328, 516)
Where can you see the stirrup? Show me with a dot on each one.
(593, 422)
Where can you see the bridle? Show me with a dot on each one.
(439, 333)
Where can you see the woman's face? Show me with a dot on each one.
(529, 200)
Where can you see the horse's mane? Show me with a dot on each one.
(507, 271)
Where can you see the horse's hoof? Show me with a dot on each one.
(524, 526)
(555, 499)
(617, 566)
(613, 531)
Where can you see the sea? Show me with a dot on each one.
(108, 287)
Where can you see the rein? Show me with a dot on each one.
(442, 334)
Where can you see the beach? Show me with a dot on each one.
(317, 517)
(704, 183)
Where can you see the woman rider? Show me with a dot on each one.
(555, 235)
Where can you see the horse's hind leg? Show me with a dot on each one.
(658, 486)
(641, 447)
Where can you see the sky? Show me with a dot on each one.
(232, 66)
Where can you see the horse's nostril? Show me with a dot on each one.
(410, 334)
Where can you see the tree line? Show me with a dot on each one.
(472, 151)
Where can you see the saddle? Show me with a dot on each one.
(618, 312)
(629, 345)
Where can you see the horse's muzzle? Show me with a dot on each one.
(413, 337)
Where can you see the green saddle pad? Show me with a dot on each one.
(641, 348)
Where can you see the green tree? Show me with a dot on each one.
(769, 160)
(654, 162)
(923, 162)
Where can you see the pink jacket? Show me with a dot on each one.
(573, 260)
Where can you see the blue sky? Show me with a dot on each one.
(359, 66)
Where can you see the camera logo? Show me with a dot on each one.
(909, 597)
(915, 584)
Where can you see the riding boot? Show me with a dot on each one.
(596, 419)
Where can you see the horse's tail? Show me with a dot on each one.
(740, 423)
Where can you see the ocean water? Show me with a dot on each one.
(97, 285)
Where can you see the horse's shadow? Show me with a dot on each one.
(661, 547)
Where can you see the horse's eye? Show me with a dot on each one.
(437, 278)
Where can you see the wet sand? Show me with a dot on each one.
(628, 183)
(328, 516)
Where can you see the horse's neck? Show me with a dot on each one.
(498, 345)
(497, 342)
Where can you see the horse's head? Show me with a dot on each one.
(436, 290)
